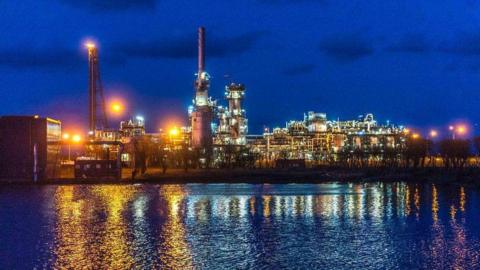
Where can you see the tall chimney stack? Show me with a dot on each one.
(201, 49)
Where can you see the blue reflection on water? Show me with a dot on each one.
(238, 226)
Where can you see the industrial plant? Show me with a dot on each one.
(216, 137)
(314, 139)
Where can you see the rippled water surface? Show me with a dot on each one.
(240, 226)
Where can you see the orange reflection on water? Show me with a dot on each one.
(408, 209)
(462, 199)
(71, 244)
(459, 248)
(453, 211)
(251, 202)
(115, 248)
(174, 252)
(266, 205)
(434, 204)
(83, 238)
(416, 199)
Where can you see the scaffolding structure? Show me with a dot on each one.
(97, 114)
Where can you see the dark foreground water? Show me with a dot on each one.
(240, 226)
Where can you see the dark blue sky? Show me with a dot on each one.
(412, 62)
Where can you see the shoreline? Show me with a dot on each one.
(469, 176)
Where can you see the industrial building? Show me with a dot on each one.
(232, 122)
(318, 140)
(216, 137)
(314, 139)
(132, 128)
(230, 126)
(201, 116)
(29, 148)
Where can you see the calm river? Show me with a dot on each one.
(240, 226)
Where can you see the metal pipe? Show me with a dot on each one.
(201, 49)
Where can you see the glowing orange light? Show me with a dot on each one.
(76, 138)
(90, 45)
(66, 136)
(174, 131)
(461, 129)
(415, 135)
(433, 133)
(117, 107)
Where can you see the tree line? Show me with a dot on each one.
(414, 153)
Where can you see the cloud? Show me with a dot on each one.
(466, 44)
(411, 43)
(299, 69)
(39, 58)
(50, 58)
(186, 46)
(112, 5)
(24, 57)
(346, 48)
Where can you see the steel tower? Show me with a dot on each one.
(96, 99)
(202, 114)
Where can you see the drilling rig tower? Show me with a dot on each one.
(97, 115)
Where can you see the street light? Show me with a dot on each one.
(433, 134)
(116, 107)
(90, 45)
(461, 129)
(76, 138)
(173, 131)
(415, 135)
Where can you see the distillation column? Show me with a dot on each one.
(238, 123)
(202, 114)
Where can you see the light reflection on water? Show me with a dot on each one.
(375, 225)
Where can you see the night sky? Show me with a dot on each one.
(412, 62)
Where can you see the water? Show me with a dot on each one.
(240, 226)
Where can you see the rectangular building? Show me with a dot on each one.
(29, 148)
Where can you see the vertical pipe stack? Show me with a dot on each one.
(202, 115)
(201, 50)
